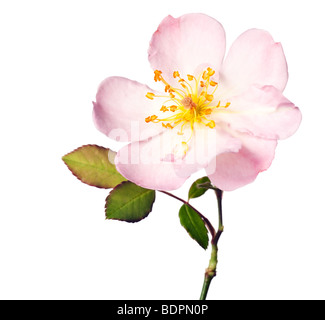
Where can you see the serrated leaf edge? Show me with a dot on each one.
(119, 186)
(205, 248)
(77, 149)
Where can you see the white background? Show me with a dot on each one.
(54, 240)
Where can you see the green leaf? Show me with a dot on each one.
(198, 189)
(94, 166)
(194, 225)
(129, 202)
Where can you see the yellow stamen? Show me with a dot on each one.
(164, 109)
(209, 97)
(183, 85)
(205, 75)
(157, 75)
(211, 124)
(176, 74)
(167, 126)
(151, 118)
(210, 72)
(191, 103)
(150, 95)
(185, 147)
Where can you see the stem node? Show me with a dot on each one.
(211, 271)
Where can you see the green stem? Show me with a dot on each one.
(211, 271)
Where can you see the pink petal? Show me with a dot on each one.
(186, 43)
(161, 163)
(253, 59)
(230, 171)
(149, 164)
(121, 108)
(262, 112)
(204, 146)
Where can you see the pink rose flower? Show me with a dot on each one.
(223, 115)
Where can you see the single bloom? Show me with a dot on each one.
(221, 115)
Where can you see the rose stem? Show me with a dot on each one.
(211, 271)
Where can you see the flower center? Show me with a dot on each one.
(193, 102)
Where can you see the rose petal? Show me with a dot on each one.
(164, 162)
(185, 43)
(150, 163)
(263, 112)
(121, 108)
(204, 146)
(230, 171)
(253, 59)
